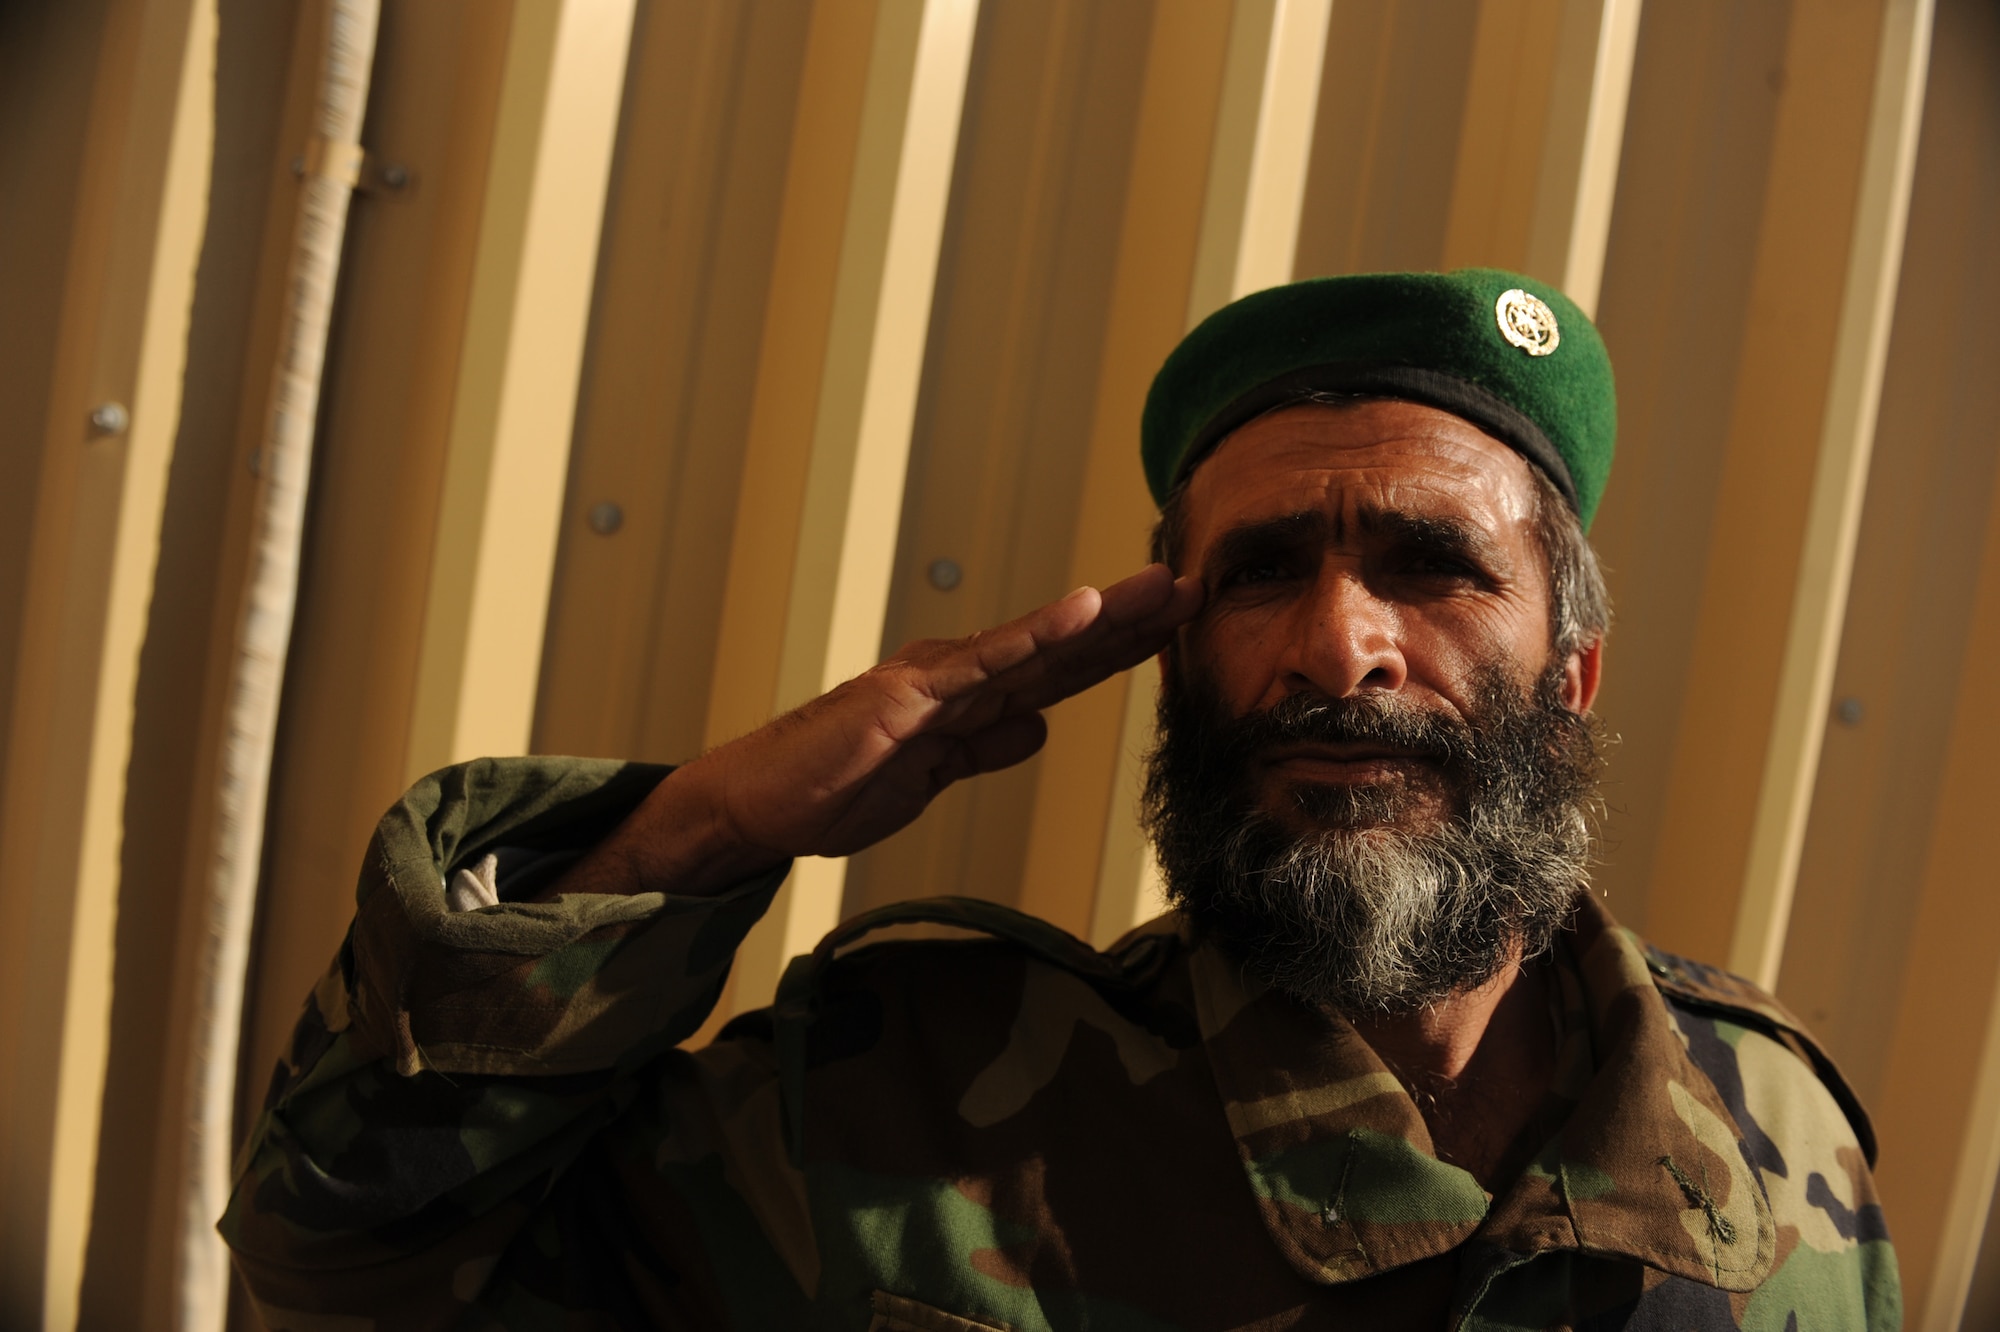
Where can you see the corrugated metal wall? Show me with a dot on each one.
(706, 349)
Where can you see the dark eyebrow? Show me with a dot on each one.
(1427, 533)
(1434, 534)
(1252, 541)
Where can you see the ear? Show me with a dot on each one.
(1580, 676)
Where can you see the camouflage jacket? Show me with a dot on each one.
(484, 1122)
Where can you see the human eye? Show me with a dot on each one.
(1445, 566)
(1260, 570)
(1442, 564)
(1262, 558)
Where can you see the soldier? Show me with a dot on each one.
(1387, 1064)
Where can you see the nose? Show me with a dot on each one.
(1347, 641)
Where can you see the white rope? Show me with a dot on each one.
(264, 634)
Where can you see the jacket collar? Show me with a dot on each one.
(1649, 1165)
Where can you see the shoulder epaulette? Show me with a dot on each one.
(1713, 990)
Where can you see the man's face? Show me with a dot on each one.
(1372, 768)
(1378, 548)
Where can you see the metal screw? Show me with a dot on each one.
(110, 418)
(1848, 710)
(606, 518)
(395, 176)
(945, 574)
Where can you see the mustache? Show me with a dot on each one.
(1364, 906)
(1389, 720)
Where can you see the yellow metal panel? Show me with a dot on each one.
(1076, 799)
(1489, 134)
(685, 281)
(155, 411)
(1778, 417)
(1939, 1111)
(1890, 860)
(1286, 113)
(495, 548)
(1232, 154)
(1495, 199)
(1982, 1301)
(1600, 138)
(1915, 568)
(1676, 304)
(1544, 118)
(1000, 444)
(861, 433)
(798, 320)
(1847, 434)
(1384, 151)
(110, 108)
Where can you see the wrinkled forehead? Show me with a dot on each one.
(1360, 462)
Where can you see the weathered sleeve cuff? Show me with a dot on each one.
(586, 982)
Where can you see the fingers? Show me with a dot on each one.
(960, 687)
(1142, 594)
(920, 771)
(972, 662)
(1088, 632)
(852, 766)
(1008, 741)
(1138, 617)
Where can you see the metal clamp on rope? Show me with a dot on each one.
(334, 160)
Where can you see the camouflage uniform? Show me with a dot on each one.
(483, 1122)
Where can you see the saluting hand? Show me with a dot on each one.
(854, 765)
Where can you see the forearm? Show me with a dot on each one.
(845, 770)
(677, 842)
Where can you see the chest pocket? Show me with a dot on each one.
(895, 1313)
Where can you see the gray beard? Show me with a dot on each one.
(1367, 900)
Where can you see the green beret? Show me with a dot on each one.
(1511, 355)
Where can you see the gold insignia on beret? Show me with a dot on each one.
(1527, 322)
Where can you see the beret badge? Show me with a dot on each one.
(1527, 322)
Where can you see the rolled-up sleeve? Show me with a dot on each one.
(451, 1063)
